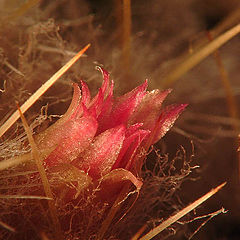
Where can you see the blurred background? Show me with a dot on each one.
(135, 40)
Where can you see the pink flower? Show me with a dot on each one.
(102, 136)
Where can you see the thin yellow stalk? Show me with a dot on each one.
(139, 232)
(11, 175)
(126, 35)
(21, 10)
(118, 15)
(24, 197)
(231, 101)
(198, 56)
(43, 175)
(4, 164)
(6, 226)
(180, 214)
(227, 22)
(43, 236)
(232, 105)
(232, 19)
(13, 68)
(106, 223)
(15, 116)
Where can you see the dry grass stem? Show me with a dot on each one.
(43, 175)
(4, 164)
(10, 66)
(24, 197)
(6, 226)
(114, 209)
(15, 116)
(232, 104)
(139, 232)
(126, 35)
(229, 21)
(232, 19)
(22, 10)
(209, 217)
(198, 56)
(180, 214)
(18, 174)
(56, 50)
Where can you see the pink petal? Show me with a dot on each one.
(76, 136)
(99, 157)
(149, 109)
(52, 135)
(85, 100)
(106, 109)
(97, 105)
(166, 121)
(129, 148)
(105, 83)
(124, 107)
(133, 128)
(104, 86)
(86, 96)
(76, 99)
(112, 183)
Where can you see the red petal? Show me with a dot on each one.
(76, 99)
(52, 135)
(86, 96)
(124, 107)
(132, 129)
(149, 109)
(106, 109)
(97, 105)
(166, 120)
(129, 148)
(76, 136)
(105, 83)
(99, 157)
(112, 183)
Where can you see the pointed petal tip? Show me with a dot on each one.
(145, 84)
(101, 69)
(169, 90)
(183, 106)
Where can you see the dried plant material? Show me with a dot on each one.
(56, 50)
(139, 233)
(126, 35)
(83, 195)
(6, 226)
(114, 209)
(232, 19)
(21, 10)
(43, 175)
(24, 197)
(13, 68)
(197, 57)
(18, 174)
(180, 214)
(44, 237)
(231, 101)
(208, 218)
(40, 92)
(7, 163)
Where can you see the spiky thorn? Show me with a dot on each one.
(155, 231)
(15, 116)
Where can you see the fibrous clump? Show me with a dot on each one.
(90, 154)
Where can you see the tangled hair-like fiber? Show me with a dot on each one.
(82, 217)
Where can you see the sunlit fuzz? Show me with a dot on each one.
(103, 134)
